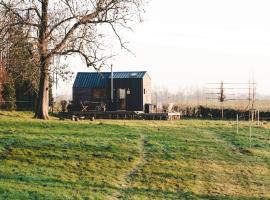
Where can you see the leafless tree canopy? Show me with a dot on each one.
(74, 26)
(66, 27)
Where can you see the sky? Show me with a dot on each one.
(191, 43)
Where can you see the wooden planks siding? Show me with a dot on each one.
(147, 90)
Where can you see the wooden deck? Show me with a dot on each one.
(161, 116)
(128, 115)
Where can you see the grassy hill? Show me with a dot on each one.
(186, 159)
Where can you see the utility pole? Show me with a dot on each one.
(222, 99)
(156, 102)
(253, 100)
(237, 121)
(112, 84)
(258, 118)
(250, 134)
(249, 98)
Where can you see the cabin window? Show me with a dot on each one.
(98, 93)
(144, 91)
(81, 94)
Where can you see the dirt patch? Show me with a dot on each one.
(5, 153)
(242, 150)
(8, 132)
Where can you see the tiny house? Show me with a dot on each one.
(131, 90)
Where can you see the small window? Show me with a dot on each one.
(98, 93)
(133, 75)
(144, 91)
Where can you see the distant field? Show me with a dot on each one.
(262, 105)
(189, 159)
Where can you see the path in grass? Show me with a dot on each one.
(134, 169)
(137, 164)
(200, 160)
(188, 159)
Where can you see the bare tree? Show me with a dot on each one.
(67, 27)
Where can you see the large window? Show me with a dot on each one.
(98, 93)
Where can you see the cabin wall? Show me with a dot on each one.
(147, 90)
(134, 101)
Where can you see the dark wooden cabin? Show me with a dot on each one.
(132, 90)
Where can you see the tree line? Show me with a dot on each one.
(19, 75)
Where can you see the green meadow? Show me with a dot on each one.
(186, 159)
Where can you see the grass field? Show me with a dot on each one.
(188, 159)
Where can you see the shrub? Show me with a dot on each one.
(9, 95)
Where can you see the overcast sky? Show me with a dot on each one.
(192, 42)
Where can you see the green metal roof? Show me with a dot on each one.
(101, 80)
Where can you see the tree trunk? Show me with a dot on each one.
(43, 93)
